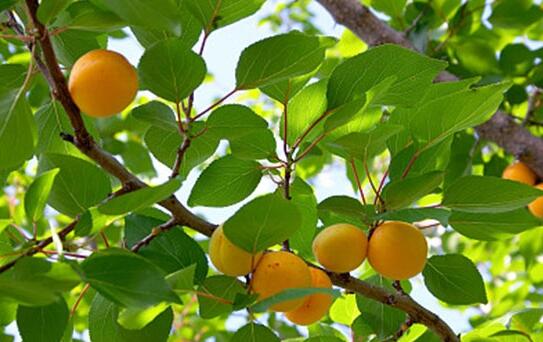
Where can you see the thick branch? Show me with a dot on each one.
(373, 31)
(404, 302)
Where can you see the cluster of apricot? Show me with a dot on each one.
(520, 172)
(396, 250)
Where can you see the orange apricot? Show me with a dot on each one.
(102, 83)
(397, 250)
(536, 207)
(341, 247)
(520, 172)
(279, 271)
(229, 258)
(315, 306)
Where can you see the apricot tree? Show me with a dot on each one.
(431, 109)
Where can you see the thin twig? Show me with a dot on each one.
(310, 147)
(410, 164)
(154, 233)
(358, 183)
(79, 299)
(215, 104)
(370, 180)
(310, 128)
(180, 156)
(534, 103)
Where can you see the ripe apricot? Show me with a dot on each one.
(341, 247)
(536, 207)
(279, 271)
(102, 83)
(520, 172)
(397, 250)
(315, 306)
(229, 258)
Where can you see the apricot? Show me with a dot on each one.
(520, 172)
(102, 83)
(341, 247)
(397, 250)
(536, 207)
(229, 258)
(315, 306)
(279, 271)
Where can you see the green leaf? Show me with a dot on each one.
(290, 294)
(414, 74)
(215, 14)
(53, 120)
(70, 45)
(37, 194)
(8, 311)
(224, 289)
(493, 226)
(303, 109)
(304, 199)
(344, 310)
(361, 106)
(278, 58)
(182, 280)
(287, 88)
(138, 318)
(384, 320)
(402, 193)
(512, 14)
(157, 114)
(161, 14)
(78, 186)
(224, 182)
(246, 131)
(49, 9)
(11, 76)
(263, 222)
(93, 221)
(363, 145)
(171, 251)
(344, 209)
(84, 15)
(137, 159)
(126, 278)
(34, 281)
(103, 326)
(171, 70)
(7, 4)
(392, 8)
(481, 194)
(526, 319)
(454, 279)
(139, 199)
(17, 128)
(43, 323)
(254, 333)
(164, 145)
(455, 112)
(411, 215)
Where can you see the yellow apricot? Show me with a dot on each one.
(102, 83)
(397, 250)
(229, 258)
(315, 306)
(279, 271)
(536, 207)
(520, 172)
(341, 247)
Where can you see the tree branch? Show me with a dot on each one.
(500, 129)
